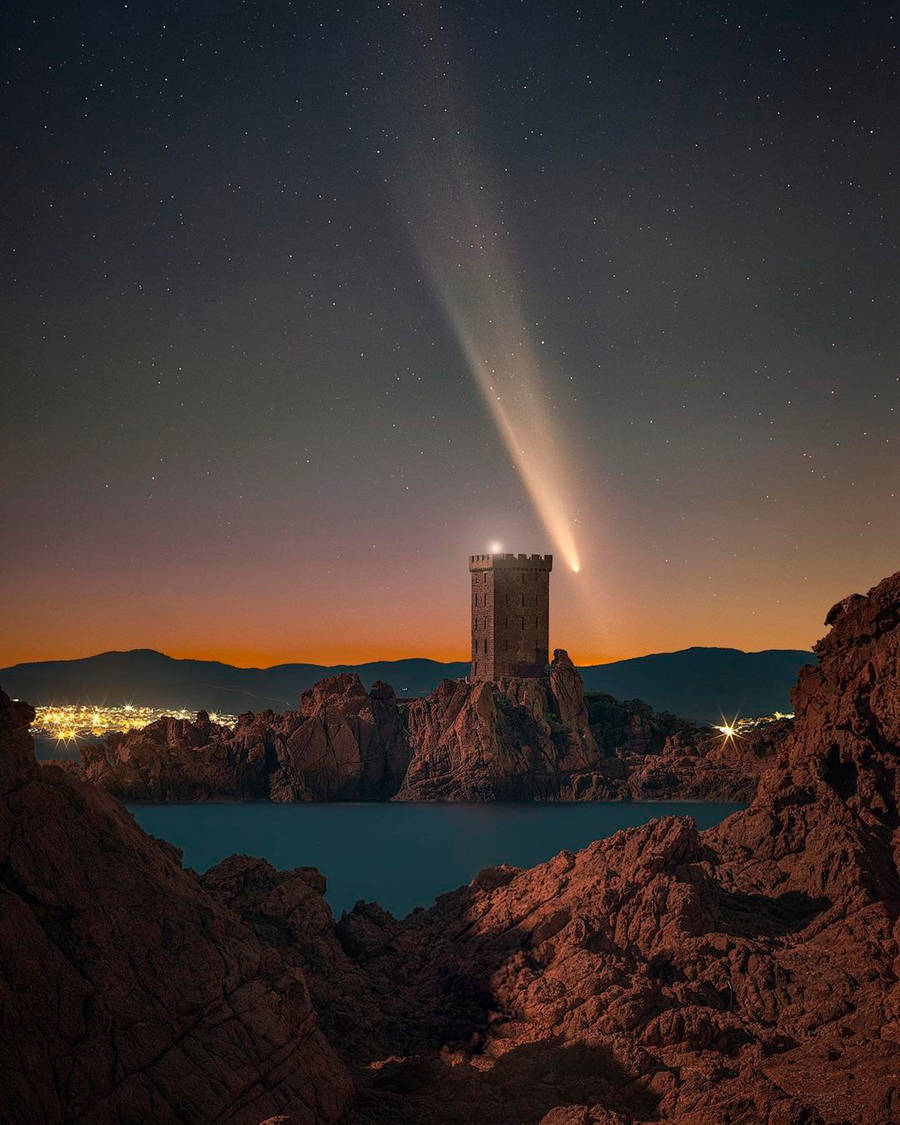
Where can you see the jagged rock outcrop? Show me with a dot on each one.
(288, 912)
(527, 739)
(17, 761)
(848, 710)
(127, 993)
(701, 764)
(631, 728)
(567, 697)
(748, 973)
(180, 760)
(349, 744)
(343, 743)
(517, 739)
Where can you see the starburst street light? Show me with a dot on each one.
(730, 730)
(742, 725)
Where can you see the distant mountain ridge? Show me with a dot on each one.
(696, 683)
(704, 683)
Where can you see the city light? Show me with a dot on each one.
(71, 722)
(738, 727)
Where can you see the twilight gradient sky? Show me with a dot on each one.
(268, 263)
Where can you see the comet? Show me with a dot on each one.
(501, 359)
(462, 238)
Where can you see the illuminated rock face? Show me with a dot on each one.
(522, 739)
(510, 615)
(343, 744)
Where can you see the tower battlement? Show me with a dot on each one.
(510, 562)
(510, 615)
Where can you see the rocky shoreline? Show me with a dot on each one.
(747, 973)
(519, 739)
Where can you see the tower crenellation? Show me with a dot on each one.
(510, 615)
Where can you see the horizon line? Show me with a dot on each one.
(392, 660)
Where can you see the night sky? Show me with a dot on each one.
(261, 257)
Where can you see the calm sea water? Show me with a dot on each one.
(400, 855)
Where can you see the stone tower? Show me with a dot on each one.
(510, 615)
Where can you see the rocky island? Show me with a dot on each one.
(746, 973)
(533, 738)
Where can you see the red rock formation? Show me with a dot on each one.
(699, 764)
(179, 760)
(749, 973)
(127, 993)
(288, 912)
(745, 974)
(567, 695)
(344, 743)
(848, 710)
(520, 739)
(513, 740)
(349, 744)
(525, 739)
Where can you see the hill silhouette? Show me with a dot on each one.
(704, 683)
(697, 683)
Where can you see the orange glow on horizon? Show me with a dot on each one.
(354, 613)
(345, 654)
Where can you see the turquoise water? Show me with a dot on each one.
(400, 855)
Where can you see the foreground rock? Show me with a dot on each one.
(744, 974)
(127, 993)
(748, 973)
